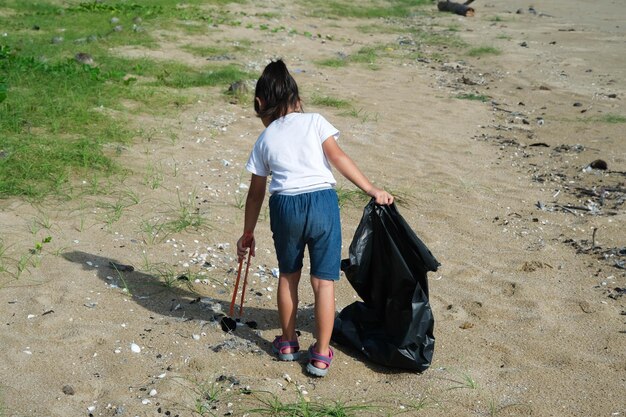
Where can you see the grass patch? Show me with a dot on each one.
(327, 101)
(367, 9)
(610, 118)
(186, 77)
(474, 97)
(366, 55)
(271, 405)
(205, 51)
(58, 116)
(333, 62)
(483, 51)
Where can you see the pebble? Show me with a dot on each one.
(68, 390)
(153, 392)
(84, 58)
(135, 348)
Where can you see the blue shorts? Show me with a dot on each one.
(312, 220)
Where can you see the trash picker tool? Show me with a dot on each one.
(245, 281)
(243, 292)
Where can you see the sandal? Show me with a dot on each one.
(279, 347)
(317, 357)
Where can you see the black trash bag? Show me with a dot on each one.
(387, 267)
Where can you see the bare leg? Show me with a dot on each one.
(288, 304)
(324, 291)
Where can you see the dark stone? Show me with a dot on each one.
(68, 390)
(599, 164)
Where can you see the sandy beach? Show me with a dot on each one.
(493, 157)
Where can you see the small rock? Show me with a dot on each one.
(524, 45)
(135, 348)
(153, 392)
(586, 307)
(56, 40)
(115, 20)
(68, 390)
(578, 104)
(238, 87)
(599, 164)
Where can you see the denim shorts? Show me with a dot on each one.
(311, 220)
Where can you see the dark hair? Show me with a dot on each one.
(278, 91)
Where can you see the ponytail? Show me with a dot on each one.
(278, 91)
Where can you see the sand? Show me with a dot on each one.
(528, 303)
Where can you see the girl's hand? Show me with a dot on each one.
(245, 241)
(382, 197)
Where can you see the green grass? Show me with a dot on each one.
(484, 50)
(186, 216)
(366, 9)
(333, 62)
(474, 97)
(610, 118)
(365, 55)
(205, 51)
(56, 122)
(327, 101)
(272, 405)
(211, 76)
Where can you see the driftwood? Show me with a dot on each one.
(458, 8)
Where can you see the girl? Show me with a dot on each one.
(297, 149)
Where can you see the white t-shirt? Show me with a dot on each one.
(290, 149)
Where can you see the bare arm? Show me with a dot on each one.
(346, 166)
(254, 201)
